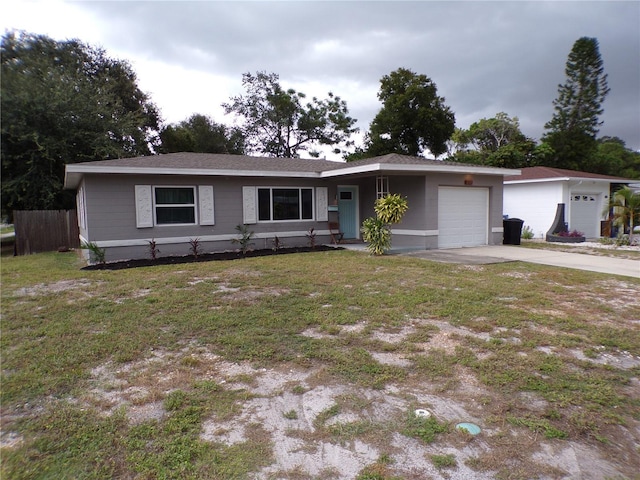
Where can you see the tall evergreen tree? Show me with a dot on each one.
(572, 130)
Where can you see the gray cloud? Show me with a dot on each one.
(485, 57)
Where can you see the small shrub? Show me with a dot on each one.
(377, 231)
(244, 239)
(96, 254)
(622, 240)
(311, 237)
(391, 208)
(194, 247)
(377, 234)
(527, 233)
(607, 241)
(277, 244)
(153, 249)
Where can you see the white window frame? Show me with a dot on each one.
(279, 187)
(193, 205)
(382, 186)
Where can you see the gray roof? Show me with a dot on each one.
(187, 163)
(551, 173)
(397, 159)
(219, 161)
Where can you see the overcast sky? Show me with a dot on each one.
(485, 57)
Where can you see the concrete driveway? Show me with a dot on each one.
(510, 253)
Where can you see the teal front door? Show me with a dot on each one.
(348, 211)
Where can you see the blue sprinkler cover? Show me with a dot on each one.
(471, 428)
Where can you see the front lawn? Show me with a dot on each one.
(312, 365)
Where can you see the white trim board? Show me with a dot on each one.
(73, 172)
(391, 167)
(137, 242)
(415, 233)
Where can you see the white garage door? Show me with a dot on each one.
(463, 217)
(584, 215)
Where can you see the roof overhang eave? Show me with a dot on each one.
(74, 173)
(71, 180)
(391, 167)
(566, 179)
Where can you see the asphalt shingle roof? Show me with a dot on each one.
(219, 161)
(542, 173)
(215, 163)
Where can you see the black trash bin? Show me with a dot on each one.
(512, 231)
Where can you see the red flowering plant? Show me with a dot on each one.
(573, 233)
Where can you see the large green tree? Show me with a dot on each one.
(413, 118)
(496, 142)
(612, 157)
(572, 130)
(277, 122)
(64, 102)
(200, 133)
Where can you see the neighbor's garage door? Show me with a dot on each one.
(584, 214)
(463, 217)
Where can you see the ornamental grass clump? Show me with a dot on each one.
(377, 231)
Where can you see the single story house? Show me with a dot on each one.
(173, 198)
(534, 195)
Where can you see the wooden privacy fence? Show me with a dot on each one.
(45, 230)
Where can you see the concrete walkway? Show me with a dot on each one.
(506, 253)
(512, 253)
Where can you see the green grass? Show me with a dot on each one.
(538, 425)
(59, 323)
(424, 428)
(444, 461)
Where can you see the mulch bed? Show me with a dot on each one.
(205, 257)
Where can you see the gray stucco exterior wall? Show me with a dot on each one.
(419, 227)
(111, 213)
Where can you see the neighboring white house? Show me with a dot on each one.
(534, 195)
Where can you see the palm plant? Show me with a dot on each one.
(626, 209)
(377, 230)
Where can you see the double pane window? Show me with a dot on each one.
(277, 204)
(175, 205)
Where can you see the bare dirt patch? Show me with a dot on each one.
(57, 287)
(323, 428)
